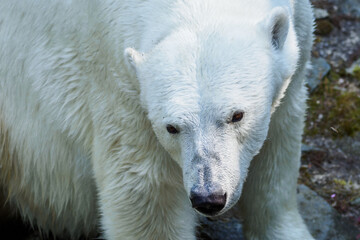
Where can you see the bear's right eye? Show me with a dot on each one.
(171, 129)
(237, 117)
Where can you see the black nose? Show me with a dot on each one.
(207, 203)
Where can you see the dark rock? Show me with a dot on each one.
(350, 145)
(320, 68)
(355, 202)
(323, 221)
(323, 27)
(339, 42)
(223, 229)
(350, 8)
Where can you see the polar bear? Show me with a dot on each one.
(136, 116)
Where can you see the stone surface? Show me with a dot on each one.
(323, 221)
(320, 13)
(350, 8)
(350, 146)
(223, 229)
(319, 69)
(356, 202)
(355, 64)
(341, 46)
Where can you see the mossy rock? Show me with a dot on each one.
(323, 27)
(356, 72)
(339, 110)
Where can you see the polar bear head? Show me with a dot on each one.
(209, 93)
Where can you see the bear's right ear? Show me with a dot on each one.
(276, 25)
(133, 58)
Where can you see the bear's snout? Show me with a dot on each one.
(206, 202)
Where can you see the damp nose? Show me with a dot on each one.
(208, 203)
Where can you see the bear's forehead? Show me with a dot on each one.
(211, 60)
(210, 84)
(212, 80)
(209, 73)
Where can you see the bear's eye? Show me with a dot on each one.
(237, 116)
(171, 129)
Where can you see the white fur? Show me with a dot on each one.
(87, 89)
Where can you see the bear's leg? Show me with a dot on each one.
(140, 193)
(268, 202)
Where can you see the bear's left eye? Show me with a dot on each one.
(238, 115)
(171, 129)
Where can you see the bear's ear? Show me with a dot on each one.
(276, 25)
(133, 58)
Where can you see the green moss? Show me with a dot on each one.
(356, 72)
(346, 113)
(334, 76)
(317, 39)
(333, 112)
(323, 27)
(340, 182)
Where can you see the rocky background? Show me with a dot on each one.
(329, 184)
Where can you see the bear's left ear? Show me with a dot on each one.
(133, 58)
(276, 24)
